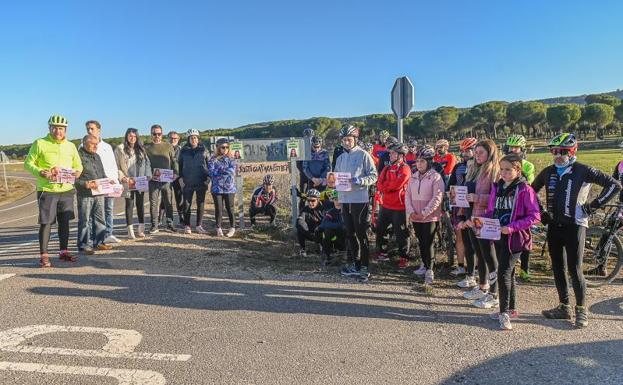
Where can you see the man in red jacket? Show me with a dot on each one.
(392, 185)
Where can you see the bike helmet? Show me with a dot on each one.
(349, 131)
(564, 141)
(268, 179)
(370, 146)
(516, 141)
(426, 152)
(442, 142)
(221, 141)
(331, 195)
(360, 143)
(390, 141)
(383, 134)
(399, 148)
(58, 120)
(313, 193)
(316, 141)
(413, 143)
(467, 143)
(192, 132)
(308, 132)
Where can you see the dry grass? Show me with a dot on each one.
(18, 189)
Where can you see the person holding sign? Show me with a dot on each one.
(392, 186)
(90, 205)
(46, 157)
(423, 208)
(515, 205)
(134, 165)
(481, 174)
(161, 155)
(356, 161)
(193, 163)
(318, 166)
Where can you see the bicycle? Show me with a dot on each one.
(445, 237)
(603, 250)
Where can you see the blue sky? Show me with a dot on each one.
(210, 64)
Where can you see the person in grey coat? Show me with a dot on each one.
(355, 206)
(193, 165)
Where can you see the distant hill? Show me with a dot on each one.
(577, 99)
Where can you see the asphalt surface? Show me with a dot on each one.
(116, 318)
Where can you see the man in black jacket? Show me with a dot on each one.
(90, 205)
(567, 184)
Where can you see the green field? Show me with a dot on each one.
(604, 160)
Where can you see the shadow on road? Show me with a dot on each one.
(586, 363)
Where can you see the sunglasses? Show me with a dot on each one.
(560, 151)
(312, 200)
(224, 147)
(156, 134)
(175, 138)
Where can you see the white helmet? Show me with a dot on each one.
(192, 132)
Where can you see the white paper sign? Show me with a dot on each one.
(163, 175)
(487, 228)
(64, 175)
(139, 183)
(339, 181)
(104, 187)
(458, 196)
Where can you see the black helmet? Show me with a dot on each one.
(349, 130)
(426, 152)
(221, 141)
(391, 141)
(316, 141)
(399, 148)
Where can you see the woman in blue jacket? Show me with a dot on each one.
(222, 171)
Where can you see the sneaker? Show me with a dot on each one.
(429, 276)
(349, 270)
(171, 228)
(581, 317)
(514, 314)
(104, 247)
(421, 271)
(486, 302)
(561, 311)
(201, 230)
(493, 277)
(230, 232)
(524, 276)
(112, 239)
(475, 293)
(219, 232)
(187, 230)
(302, 253)
(66, 255)
(404, 263)
(381, 256)
(467, 282)
(459, 270)
(364, 274)
(154, 230)
(87, 251)
(141, 230)
(505, 321)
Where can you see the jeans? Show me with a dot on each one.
(91, 211)
(157, 191)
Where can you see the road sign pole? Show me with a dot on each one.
(400, 130)
(6, 183)
(293, 175)
(240, 197)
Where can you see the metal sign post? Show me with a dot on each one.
(402, 97)
(4, 159)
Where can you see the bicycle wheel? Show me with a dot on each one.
(603, 257)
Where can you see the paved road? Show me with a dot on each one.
(117, 318)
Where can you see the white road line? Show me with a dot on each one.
(5, 276)
(123, 376)
(18, 219)
(19, 264)
(121, 258)
(18, 206)
(219, 293)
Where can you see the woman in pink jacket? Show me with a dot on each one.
(481, 174)
(423, 207)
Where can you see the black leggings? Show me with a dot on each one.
(307, 235)
(139, 198)
(487, 261)
(269, 210)
(63, 235)
(469, 251)
(398, 220)
(355, 217)
(525, 261)
(200, 193)
(219, 201)
(425, 233)
(567, 240)
(332, 239)
(506, 269)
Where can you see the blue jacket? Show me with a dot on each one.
(332, 220)
(222, 172)
(193, 165)
(318, 166)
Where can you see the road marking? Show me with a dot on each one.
(219, 293)
(123, 376)
(15, 207)
(121, 343)
(19, 264)
(121, 258)
(5, 276)
(18, 219)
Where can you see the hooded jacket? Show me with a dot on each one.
(392, 185)
(222, 171)
(424, 195)
(361, 167)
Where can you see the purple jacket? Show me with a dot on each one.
(526, 213)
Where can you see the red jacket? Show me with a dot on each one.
(447, 161)
(392, 185)
(378, 149)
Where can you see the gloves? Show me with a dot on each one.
(355, 180)
(546, 218)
